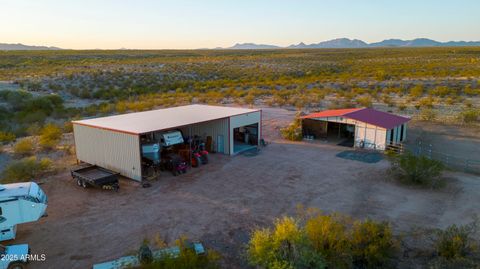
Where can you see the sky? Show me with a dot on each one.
(189, 24)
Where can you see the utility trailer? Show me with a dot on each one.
(95, 176)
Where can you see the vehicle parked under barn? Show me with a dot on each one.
(117, 142)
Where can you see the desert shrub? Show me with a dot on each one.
(456, 242)
(469, 116)
(428, 115)
(441, 91)
(333, 241)
(416, 170)
(373, 244)
(50, 135)
(330, 237)
(293, 132)
(286, 246)
(426, 102)
(365, 101)
(26, 169)
(24, 147)
(416, 91)
(6, 137)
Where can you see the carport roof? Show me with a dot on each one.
(367, 115)
(163, 119)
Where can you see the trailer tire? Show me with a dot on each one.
(79, 182)
(17, 265)
(84, 184)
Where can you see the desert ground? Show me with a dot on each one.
(221, 202)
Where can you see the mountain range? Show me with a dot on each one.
(355, 43)
(330, 44)
(5, 46)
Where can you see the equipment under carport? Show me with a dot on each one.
(117, 142)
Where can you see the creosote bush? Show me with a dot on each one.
(24, 147)
(6, 137)
(26, 169)
(416, 170)
(293, 132)
(50, 135)
(323, 241)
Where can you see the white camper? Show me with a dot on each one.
(20, 203)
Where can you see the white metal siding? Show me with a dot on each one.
(212, 128)
(115, 151)
(243, 120)
(371, 136)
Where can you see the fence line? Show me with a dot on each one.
(451, 161)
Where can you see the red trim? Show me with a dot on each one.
(103, 128)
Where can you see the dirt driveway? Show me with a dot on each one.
(221, 202)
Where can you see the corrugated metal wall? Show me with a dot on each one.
(371, 136)
(213, 128)
(115, 151)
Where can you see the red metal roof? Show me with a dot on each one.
(331, 113)
(367, 115)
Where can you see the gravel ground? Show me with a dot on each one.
(221, 202)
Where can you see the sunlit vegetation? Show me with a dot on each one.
(26, 169)
(61, 85)
(416, 170)
(323, 241)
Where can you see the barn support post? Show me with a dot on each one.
(190, 144)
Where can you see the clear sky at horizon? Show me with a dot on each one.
(184, 24)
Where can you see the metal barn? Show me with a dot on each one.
(356, 127)
(115, 142)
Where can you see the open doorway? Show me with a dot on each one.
(341, 133)
(245, 138)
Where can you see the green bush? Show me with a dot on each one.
(469, 116)
(373, 244)
(24, 147)
(416, 170)
(293, 132)
(50, 135)
(456, 242)
(26, 169)
(330, 241)
(428, 115)
(6, 137)
(365, 101)
(330, 237)
(284, 247)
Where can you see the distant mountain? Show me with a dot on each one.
(250, 46)
(4, 46)
(335, 43)
(355, 43)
